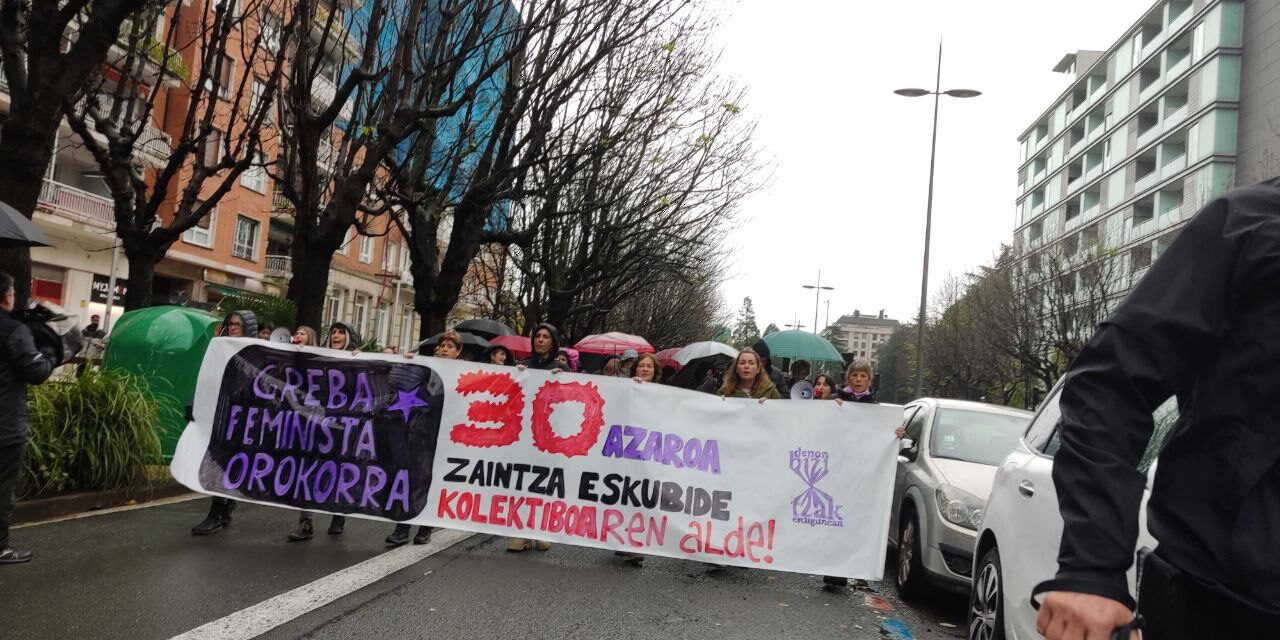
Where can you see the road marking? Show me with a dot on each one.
(254, 621)
(102, 512)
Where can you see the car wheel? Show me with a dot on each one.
(986, 600)
(910, 580)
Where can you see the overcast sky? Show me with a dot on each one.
(851, 159)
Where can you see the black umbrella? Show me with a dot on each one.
(469, 343)
(17, 231)
(484, 327)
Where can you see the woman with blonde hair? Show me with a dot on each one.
(305, 336)
(748, 379)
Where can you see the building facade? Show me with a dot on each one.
(861, 336)
(1179, 110)
(244, 246)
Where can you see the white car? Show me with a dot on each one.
(1017, 544)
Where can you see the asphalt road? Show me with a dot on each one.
(140, 574)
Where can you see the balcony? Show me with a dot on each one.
(75, 204)
(279, 266)
(323, 92)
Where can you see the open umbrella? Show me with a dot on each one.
(474, 344)
(17, 231)
(698, 357)
(613, 342)
(484, 327)
(665, 359)
(801, 345)
(518, 345)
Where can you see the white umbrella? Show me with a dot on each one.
(703, 350)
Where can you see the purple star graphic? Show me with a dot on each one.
(407, 401)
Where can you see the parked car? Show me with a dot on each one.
(945, 469)
(1018, 541)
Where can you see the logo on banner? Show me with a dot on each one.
(814, 506)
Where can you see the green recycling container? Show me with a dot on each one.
(165, 346)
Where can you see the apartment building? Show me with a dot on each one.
(1179, 110)
(861, 336)
(244, 246)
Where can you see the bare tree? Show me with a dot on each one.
(49, 52)
(220, 135)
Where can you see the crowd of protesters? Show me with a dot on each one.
(752, 374)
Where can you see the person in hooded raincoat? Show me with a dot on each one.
(761, 348)
(237, 324)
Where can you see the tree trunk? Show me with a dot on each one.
(310, 279)
(464, 245)
(26, 147)
(142, 277)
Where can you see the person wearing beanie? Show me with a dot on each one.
(762, 349)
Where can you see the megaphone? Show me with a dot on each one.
(802, 390)
(282, 335)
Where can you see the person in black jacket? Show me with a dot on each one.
(1204, 326)
(21, 364)
(762, 349)
(237, 324)
(545, 343)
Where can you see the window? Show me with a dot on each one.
(258, 93)
(366, 249)
(246, 241)
(335, 305)
(346, 242)
(390, 256)
(269, 32)
(406, 329)
(255, 177)
(1144, 210)
(915, 428)
(213, 148)
(360, 314)
(202, 234)
(1140, 258)
(382, 323)
(226, 77)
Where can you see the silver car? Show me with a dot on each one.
(945, 470)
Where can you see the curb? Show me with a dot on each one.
(26, 511)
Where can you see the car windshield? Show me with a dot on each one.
(975, 436)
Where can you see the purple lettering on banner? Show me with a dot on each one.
(337, 380)
(322, 495)
(282, 481)
(243, 459)
(303, 487)
(266, 393)
(399, 490)
(292, 382)
(363, 400)
(671, 446)
(364, 445)
(262, 463)
(311, 431)
(314, 376)
(348, 476)
(652, 447)
(710, 457)
(613, 443)
(233, 421)
(374, 483)
(693, 454)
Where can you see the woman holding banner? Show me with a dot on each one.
(236, 324)
(305, 336)
(747, 379)
(545, 342)
(645, 370)
(449, 348)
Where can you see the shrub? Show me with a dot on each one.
(95, 431)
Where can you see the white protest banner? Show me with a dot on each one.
(588, 460)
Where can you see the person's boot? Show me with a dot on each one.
(517, 545)
(541, 545)
(833, 581)
(399, 536)
(304, 531)
(337, 525)
(10, 555)
(218, 519)
(424, 535)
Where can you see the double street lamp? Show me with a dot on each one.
(817, 291)
(937, 94)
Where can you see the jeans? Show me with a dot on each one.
(10, 465)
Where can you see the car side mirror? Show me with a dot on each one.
(907, 450)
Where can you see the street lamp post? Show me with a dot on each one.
(937, 94)
(817, 292)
